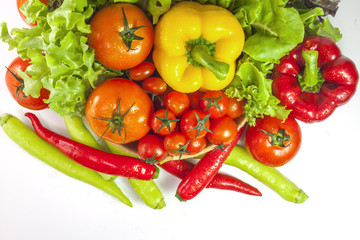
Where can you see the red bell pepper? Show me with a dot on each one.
(314, 79)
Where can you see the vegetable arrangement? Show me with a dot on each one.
(163, 83)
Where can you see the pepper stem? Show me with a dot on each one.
(201, 54)
(311, 79)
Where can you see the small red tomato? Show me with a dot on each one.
(142, 71)
(16, 85)
(214, 102)
(154, 85)
(223, 130)
(195, 99)
(272, 141)
(236, 108)
(163, 122)
(177, 102)
(196, 145)
(151, 148)
(195, 123)
(175, 143)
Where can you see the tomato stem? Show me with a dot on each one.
(279, 138)
(165, 121)
(213, 102)
(19, 88)
(128, 34)
(201, 124)
(116, 122)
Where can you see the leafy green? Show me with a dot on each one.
(315, 24)
(251, 84)
(275, 31)
(61, 60)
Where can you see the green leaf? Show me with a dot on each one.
(252, 85)
(276, 31)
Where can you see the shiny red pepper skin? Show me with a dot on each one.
(205, 170)
(181, 168)
(93, 158)
(340, 80)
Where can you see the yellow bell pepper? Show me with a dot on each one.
(196, 46)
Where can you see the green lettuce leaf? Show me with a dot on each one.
(251, 84)
(316, 25)
(275, 31)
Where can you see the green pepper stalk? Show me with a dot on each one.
(201, 54)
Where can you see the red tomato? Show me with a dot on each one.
(214, 102)
(177, 102)
(163, 122)
(236, 108)
(195, 99)
(16, 85)
(19, 3)
(154, 85)
(142, 71)
(121, 35)
(175, 143)
(272, 141)
(118, 110)
(196, 145)
(195, 123)
(223, 130)
(151, 148)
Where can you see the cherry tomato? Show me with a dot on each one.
(272, 141)
(195, 99)
(195, 123)
(177, 102)
(175, 143)
(121, 35)
(151, 148)
(16, 85)
(214, 102)
(118, 110)
(142, 71)
(19, 3)
(196, 145)
(236, 108)
(154, 85)
(162, 120)
(223, 130)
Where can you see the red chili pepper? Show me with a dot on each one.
(181, 168)
(93, 158)
(314, 79)
(205, 170)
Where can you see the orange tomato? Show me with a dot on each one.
(121, 35)
(119, 111)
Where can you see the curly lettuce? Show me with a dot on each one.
(251, 84)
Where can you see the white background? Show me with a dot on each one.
(38, 203)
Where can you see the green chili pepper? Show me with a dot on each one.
(78, 132)
(147, 190)
(44, 151)
(269, 176)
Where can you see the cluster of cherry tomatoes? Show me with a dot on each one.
(178, 123)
